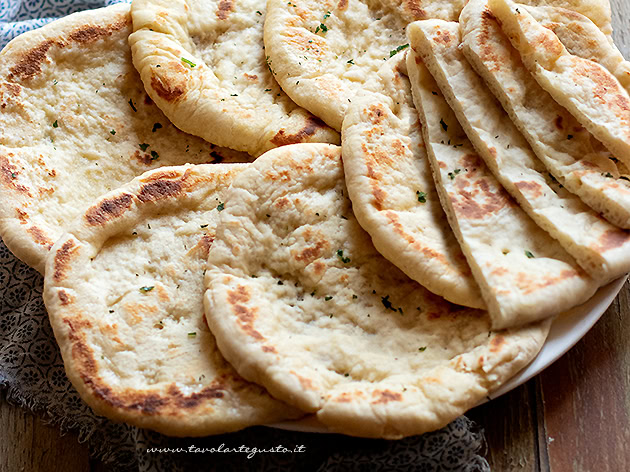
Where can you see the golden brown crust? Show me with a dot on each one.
(202, 394)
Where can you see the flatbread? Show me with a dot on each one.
(597, 11)
(578, 161)
(602, 249)
(323, 53)
(585, 88)
(523, 273)
(204, 64)
(124, 292)
(392, 190)
(301, 302)
(76, 124)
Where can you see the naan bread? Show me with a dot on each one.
(579, 35)
(124, 292)
(585, 88)
(600, 248)
(301, 302)
(523, 273)
(77, 123)
(204, 64)
(323, 52)
(392, 190)
(598, 11)
(578, 161)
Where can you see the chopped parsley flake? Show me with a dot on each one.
(327, 15)
(322, 27)
(192, 335)
(444, 125)
(451, 175)
(529, 255)
(154, 156)
(220, 206)
(570, 136)
(112, 132)
(143, 146)
(422, 197)
(422, 349)
(269, 65)
(190, 63)
(203, 226)
(147, 289)
(608, 175)
(327, 298)
(280, 282)
(156, 126)
(354, 297)
(351, 61)
(345, 260)
(393, 52)
(55, 124)
(258, 13)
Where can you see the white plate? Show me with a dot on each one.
(566, 330)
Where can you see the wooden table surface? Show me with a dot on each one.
(575, 416)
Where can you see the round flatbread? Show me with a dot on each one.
(124, 292)
(77, 123)
(393, 195)
(301, 302)
(204, 64)
(323, 53)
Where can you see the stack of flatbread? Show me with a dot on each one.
(370, 212)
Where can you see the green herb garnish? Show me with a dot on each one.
(452, 175)
(529, 255)
(422, 197)
(147, 289)
(393, 52)
(143, 146)
(345, 260)
(220, 206)
(190, 63)
(55, 124)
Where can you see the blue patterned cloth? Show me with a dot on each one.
(19, 16)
